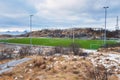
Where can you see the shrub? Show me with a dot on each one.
(74, 47)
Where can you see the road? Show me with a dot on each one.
(10, 65)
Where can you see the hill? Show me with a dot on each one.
(85, 33)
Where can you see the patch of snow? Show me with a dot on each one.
(89, 51)
(115, 57)
(109, 61)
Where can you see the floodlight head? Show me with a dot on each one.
(106, 7)
(31, 15)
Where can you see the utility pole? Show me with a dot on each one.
(105, 25)
(31, 30)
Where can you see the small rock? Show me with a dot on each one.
(76, 72)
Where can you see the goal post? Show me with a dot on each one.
(95, 46)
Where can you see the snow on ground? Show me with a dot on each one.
(89, 51)
(110, 61)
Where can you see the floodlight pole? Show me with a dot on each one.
(105, 25)
(73, 36)
(117, 26)
(31, 30)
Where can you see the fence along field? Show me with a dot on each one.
(65, 42)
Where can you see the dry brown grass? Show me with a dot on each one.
(4, 61)
(52, 68)
(111, 49)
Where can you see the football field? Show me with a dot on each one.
(65, 42)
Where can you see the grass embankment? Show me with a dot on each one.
(88, 44)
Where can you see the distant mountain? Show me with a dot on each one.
(12, 33)
(25, 31)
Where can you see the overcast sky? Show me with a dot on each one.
(14, 14)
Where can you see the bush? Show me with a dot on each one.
(24, 51)
(59, 49)
(75, 48)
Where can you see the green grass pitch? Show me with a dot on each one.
(65, 42)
